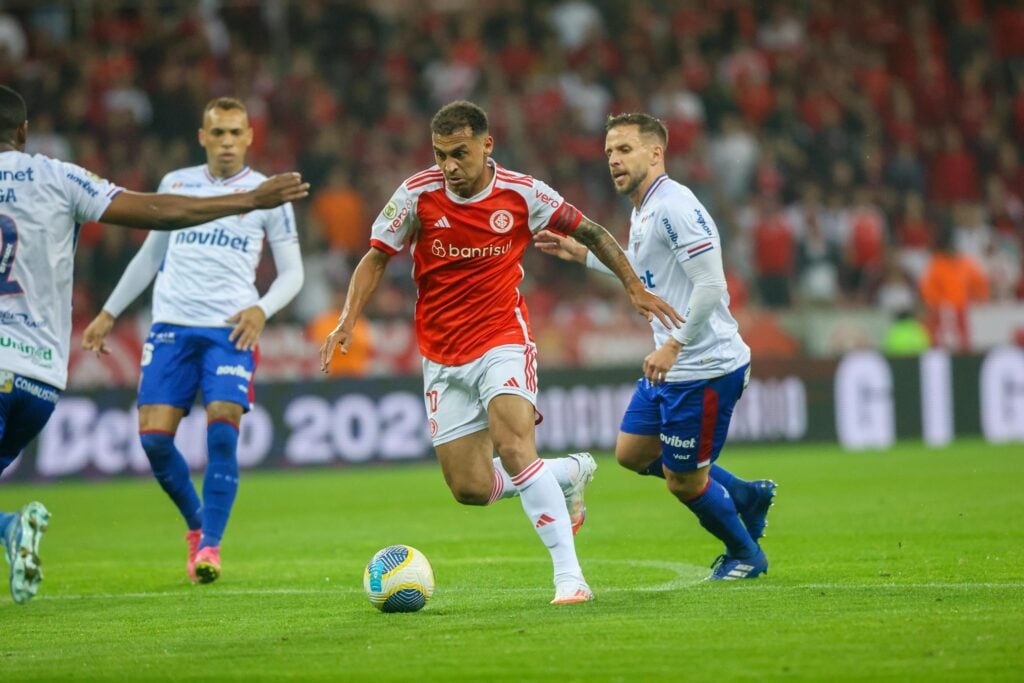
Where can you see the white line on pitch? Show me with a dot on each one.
(670, 585)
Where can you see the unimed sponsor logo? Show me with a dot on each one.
(41, 356)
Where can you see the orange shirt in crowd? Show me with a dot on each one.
(354, 363)
(340, 212)
(953, 281)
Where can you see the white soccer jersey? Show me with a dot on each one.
(670, 227)
(209, 271)
(43, 202)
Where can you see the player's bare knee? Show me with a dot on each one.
(630, 461)
(225, 411)
(467, 494)
(687, 486)
(515, 455)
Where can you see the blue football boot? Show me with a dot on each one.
(755, 513)
(727, 568)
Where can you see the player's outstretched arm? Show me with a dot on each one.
(172, 211)
(361, 287)
(607, 250)
(562, 246)
(93, 339)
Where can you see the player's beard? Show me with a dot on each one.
(634, 182)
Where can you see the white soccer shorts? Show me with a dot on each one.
(456, 396)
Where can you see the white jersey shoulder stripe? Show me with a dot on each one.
(658, 182)
(427, 177)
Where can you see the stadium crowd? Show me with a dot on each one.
(864, 153)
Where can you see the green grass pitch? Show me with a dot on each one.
(896, 566)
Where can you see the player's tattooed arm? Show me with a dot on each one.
(598, 240)
(608, 252)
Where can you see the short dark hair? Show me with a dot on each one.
(13, 111)
(457, 115)
(647, 124)
(225, 103)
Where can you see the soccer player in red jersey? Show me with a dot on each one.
(468, 222)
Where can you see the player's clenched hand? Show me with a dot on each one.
(340, 338)
(97, 331)
(279, 189)
(660, 361)
(562, 246)
(249, 323)
(651, 305)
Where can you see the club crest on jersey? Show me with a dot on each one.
(6, 382)
(502, 221)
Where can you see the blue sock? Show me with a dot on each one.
(653, 470)
(171, 470)
(739, 489)
(5, 519)
(221, 482)
(717, 513)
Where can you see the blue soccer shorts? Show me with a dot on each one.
(25, 406)
(690, 418)
(178, 361)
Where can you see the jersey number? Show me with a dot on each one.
(8, 249)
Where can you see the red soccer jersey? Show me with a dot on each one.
(467, 257)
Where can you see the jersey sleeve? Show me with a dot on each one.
(549, 211)
(280, 225)
(686, 228)
(89, 194)
(165, 184)
(396, 222)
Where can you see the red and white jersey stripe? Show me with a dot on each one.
(467, 257)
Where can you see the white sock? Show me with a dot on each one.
(503, 486)
(565, 470)
(544, 505)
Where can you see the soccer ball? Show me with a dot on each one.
(398, 579)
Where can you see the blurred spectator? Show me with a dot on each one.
(905, 172)
(895, 293)
(575, 22)
(774, 254)
(356, 362)
(972, 233)
(733, 155)
(953, 174)
(914, 236)
(45, 140)
(818, 257)
(865, 243)
(340, 211)
(906, 336)
(13, 41)
(950, 283)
